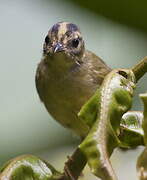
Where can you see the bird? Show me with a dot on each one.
(68, 75)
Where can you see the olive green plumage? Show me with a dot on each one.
(68, 75)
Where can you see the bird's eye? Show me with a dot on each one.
(47, 40)
(75, 43)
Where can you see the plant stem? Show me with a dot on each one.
(140, 69)
(74, 166)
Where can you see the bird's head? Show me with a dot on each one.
(64, 42)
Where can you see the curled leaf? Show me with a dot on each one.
(28, 167)
(114, 99)
(131, 132)
(142, 160)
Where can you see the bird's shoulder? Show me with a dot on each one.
(94, 59)
(98, 69)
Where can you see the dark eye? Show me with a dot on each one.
(75, 43)
(47, 40)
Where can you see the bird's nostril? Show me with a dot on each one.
(58, 47)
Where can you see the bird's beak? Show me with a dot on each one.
(58, 47)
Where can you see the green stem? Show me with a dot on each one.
(140, 69)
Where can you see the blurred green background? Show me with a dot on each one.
(114, 30)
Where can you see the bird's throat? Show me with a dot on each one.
(62, 64)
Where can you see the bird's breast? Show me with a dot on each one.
(63, 99)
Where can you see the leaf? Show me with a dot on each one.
(142, 160)
(114, 99)
(131, 132)
(88, 112)
(28, 167)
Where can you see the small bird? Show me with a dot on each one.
(68, 75)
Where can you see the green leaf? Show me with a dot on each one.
(113, 99)
(28, 167)
(88, 112)
(131, 132)
(142, 160)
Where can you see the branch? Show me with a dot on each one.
(74, 166)
(140, 69)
